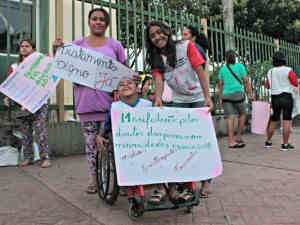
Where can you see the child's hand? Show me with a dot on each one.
(101, 141)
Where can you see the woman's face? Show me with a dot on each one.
(186, 34)
(97, 23)
(25, 49)
(157, 37)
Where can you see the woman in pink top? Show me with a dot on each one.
(92, 105)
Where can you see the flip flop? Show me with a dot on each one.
(236, 145)
(91, 189)
(241, 143)
(202, 193)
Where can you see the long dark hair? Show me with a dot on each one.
(30, 42)
(153, 56)
(200, 37)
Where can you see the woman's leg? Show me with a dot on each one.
(241, 125)
(41, 134)
(230, 130)
(27, 140)
(90, 131)
(286, 131)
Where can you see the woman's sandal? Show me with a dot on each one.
(91, 189)
(157, 198)
(26, 162)
(202, 193)
(240, 143)
(46, 163)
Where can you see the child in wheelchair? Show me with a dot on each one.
(128, 96)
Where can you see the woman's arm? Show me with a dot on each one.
(205, 88)
(248, 88)
(220, 91)
(159, 86)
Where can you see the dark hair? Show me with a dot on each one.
(31, 43)
(279, 59)
(200, 37)
(144, 81)
(230, 57)
(105, 13)
(153, 56)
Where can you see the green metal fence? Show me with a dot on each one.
(255, 50)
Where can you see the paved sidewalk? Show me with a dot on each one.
(258, 187)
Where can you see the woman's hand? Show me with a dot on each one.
(101, 141)
(252, 98)
(58, 42)
(158, 101)
(6, 101)
(208, 102)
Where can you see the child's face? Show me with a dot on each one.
(127, 87)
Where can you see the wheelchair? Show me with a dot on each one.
(108, 188)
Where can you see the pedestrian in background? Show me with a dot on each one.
(233, 80)
(281, 79)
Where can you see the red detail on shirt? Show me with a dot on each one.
(193, 55)
(293, 78)
(10, 70)
(267, 83)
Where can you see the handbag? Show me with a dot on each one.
(235, 97)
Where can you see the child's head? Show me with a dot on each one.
(127, 88)
(146, 84)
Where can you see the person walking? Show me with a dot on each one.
(232, 81)
(31, 122)
(281, 80)
(92, 105)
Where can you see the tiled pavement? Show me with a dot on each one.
(258, 187)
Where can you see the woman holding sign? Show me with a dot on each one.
(180, 65)
(29, 122)
(92, 105)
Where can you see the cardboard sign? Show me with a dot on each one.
(89, 68)
(154, 145)
(260, 117)
(31, 84)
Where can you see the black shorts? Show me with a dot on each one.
(282, 103)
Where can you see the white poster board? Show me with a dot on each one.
(89, 68)
(31, 84)
(154, 145)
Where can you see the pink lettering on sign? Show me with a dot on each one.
(217, 170)
(105, 80)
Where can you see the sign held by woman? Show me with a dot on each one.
(89, 68)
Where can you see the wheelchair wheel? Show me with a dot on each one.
(106, 176)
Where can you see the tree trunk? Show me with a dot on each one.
(228, 23)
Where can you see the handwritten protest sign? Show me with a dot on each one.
(154, 145)
(31, 84)
(88, 68)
